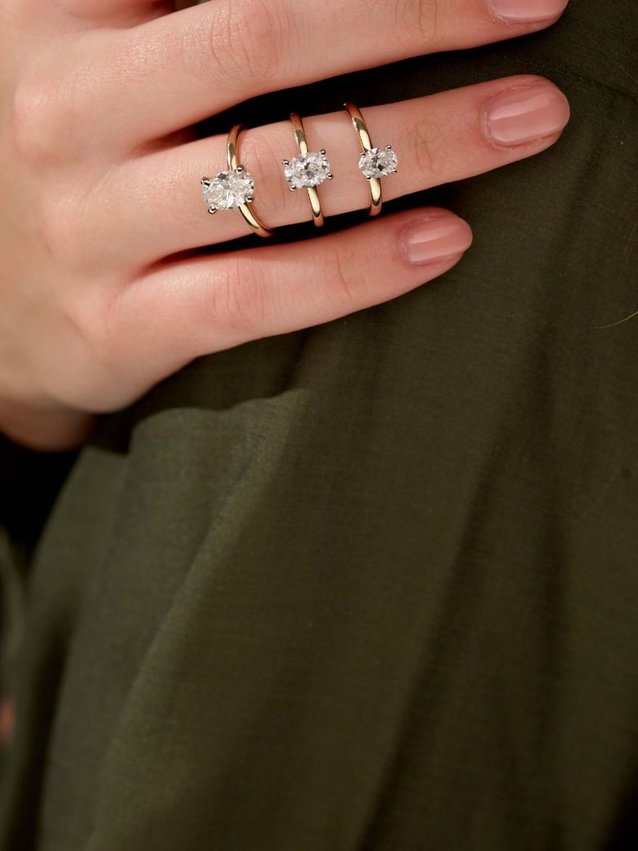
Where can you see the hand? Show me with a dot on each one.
(101, 182)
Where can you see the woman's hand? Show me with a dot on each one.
(101, 183)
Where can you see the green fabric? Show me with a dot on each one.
(372, 586)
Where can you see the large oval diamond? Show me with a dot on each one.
(228, 190)
(307, 171)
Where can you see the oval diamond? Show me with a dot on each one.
(304, 172)
(228, 190)
(378, 162)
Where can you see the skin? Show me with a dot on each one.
(101, 182)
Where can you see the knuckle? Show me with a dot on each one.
(80, 316)
(349, 281)
(238, 298)
(423, 153)
(100, 366)
(418, 21)
(34, 121)
(43, 110)
(60, 229)
(249, 42)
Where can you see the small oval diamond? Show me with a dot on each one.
(307, 171)
(378, 162)
(228, 190)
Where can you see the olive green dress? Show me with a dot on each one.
(372, 586)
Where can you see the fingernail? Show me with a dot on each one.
(436, 238)
(525, 114)
(527, 11)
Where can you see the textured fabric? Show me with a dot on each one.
(372, 586)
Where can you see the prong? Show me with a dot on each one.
(292, 188)
(388, 147)
(239, 169)
(205, 181)
(323, 152)
(330, 176)
(286, 162)
(250, 199)
(212, 210)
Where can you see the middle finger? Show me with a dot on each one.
(178, 69)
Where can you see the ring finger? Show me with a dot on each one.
(156, 200)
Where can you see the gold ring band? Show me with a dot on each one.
(375, 162)
(307, 170)
(233, 164)
(361, 129)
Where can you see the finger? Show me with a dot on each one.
(154, 207)
(204, 305)
(180, 68)
(107, 12)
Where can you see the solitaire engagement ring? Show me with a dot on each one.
(308, 170)
(233, 189)
(374, 163)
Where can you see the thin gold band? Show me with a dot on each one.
(302, 145)
(233, 163)
(361, 129)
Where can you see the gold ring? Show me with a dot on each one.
(374, 163)
(233, 189)
(308, 170)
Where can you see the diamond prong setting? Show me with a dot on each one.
(228, 190)
(378, 163)
(307, 171)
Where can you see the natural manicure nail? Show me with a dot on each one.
(436, 238)
(525, 114)
(527, 11)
